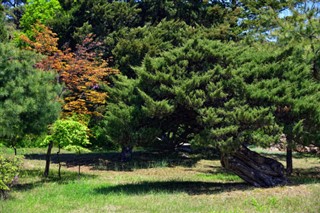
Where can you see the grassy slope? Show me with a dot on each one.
(203, 187)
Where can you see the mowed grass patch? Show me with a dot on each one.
(202, 187)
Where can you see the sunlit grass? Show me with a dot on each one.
(159, 185)
(222, 177)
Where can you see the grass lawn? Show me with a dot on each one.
(155, 184)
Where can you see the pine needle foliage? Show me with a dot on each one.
(125, 124)
(227, 94)
(196, 94)
(28, 97)
(3, 31)
(284, 80)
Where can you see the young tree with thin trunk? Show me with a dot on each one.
(69, 135)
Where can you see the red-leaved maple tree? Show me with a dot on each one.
(81, 71)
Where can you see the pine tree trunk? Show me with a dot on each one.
(289, 142)
(48, 159)
(255, 169)
(126, 153)
(289, 160)
(14, 145)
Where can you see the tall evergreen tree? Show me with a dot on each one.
(28, 97)
(195, 92)
(298, 27)
(301, 27)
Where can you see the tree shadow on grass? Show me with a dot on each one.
(111, 161)
(189, 187)
(75, 159)
(140, 162)
(281, 156)
(33, 178)
(305, 176)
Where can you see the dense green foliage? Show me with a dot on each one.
(69, 134)
(225, 94)
(195, 92)
(221, 74)
(28, 97)
(287, 83)
(221, 93)
(132, 45)
(9, 170)
(176, 89)
(125, 123)
(42, 11)
(3, 32)
(106, 18)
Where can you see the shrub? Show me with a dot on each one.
(9, 170)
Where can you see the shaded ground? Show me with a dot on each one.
(39, 181)
(190, 187)
(310, 173)
(111, 161)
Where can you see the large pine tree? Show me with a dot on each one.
(28, 97)
(229, 95)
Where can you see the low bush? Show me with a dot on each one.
(9, 170)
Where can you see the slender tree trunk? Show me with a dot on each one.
(288, 131)
(13, 145)
(255, 169)
(79, 165)
(59, 163)
(289, 159)
(126, 153)
(48, 159)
